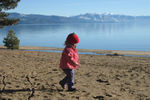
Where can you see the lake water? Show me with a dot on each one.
(107, 36)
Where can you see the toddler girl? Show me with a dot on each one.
(69, 61)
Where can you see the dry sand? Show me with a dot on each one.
(35, 75)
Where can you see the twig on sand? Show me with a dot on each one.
(3, 80)
(33, 90)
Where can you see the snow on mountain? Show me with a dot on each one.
(105, 17)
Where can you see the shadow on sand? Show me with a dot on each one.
(30, 90)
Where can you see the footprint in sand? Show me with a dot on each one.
(108, 95)
(99, 97)
(54, 69)
(103, 81)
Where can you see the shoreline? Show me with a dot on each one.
(119, 52)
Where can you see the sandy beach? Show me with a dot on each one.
(34, 75)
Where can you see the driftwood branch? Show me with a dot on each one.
(3, 81)
(33, 90)
(27, 77)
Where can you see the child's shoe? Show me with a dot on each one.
(62, 85)
(72, 89)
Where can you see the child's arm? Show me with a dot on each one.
(71, 59)
(75, 63)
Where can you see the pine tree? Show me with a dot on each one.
(7, 5)
(11, 41)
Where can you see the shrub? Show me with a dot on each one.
(11, 41)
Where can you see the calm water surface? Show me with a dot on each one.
(108, 36)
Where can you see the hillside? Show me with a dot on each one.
(82, 18)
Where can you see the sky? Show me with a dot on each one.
(76, 7)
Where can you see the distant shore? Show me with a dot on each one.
(120, 52)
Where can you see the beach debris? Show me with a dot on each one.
(3, 81)
(33, 90)
(54, 69)
(114, 54)
(108, 95)
(103, 81)
(99, 97)
(27, 77)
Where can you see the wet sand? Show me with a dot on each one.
(35, 75)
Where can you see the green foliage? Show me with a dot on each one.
(6, 5)
(11, 41)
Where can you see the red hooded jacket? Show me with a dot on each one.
(70, 58)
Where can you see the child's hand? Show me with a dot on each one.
(77, 64)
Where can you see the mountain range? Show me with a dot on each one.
(82, 18)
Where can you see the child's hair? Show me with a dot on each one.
(71, 39)
(67, 43)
